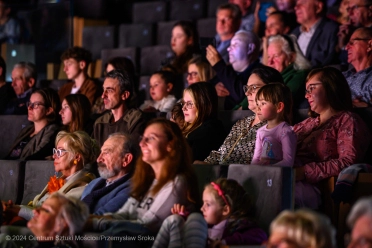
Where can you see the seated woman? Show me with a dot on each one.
(75, 113)
(73, 152)
(302, 228)
(35, 142)
(239, 145)
(59, 216)
(285, 56)
(163, 176)
(331, 139)
(203, 131)
(199, 70)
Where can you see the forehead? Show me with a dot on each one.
(18, 71)
(312, 80)
(70, 60)
(224, 13)
(355, 2)
(61, 143)
(178, 30)
(254, 79)
(36, 97)
(154, 128)
(356, 34)
(275, 46)
(273, 19)
(187, 96)
(156, 77)
(52, 204)
(111, 82)
(112, 143)
(193, 67)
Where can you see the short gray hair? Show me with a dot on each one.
(29, 70)
(363, 207)
(128, 146)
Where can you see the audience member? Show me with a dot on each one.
(243, 53)
(331, 139)
(161, 86)
(228, 211)
(343, 17)
(247, 15)
(111, 190)
(203, 131)
(199, 70)
(76, 61)
(75, 113)
(302, 228)
(36, 141)
(6, 90)
(228, 21)
(359, 221)
(72, 153)
(24, 78)
(239, 145)
(117, 92)
(162, 178)
(285, 56)
(54, 224)
(359, 78)
(276, 141)
(317, 35)
(10, 30)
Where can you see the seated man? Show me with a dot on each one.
(115, 166)
(359, 50)
(24, 78)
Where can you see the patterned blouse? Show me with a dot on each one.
(326, 149)
(240, 143)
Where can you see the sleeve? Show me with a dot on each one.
(257, 148)
(331, 46)
(26, 212)
(289, 143)
(353, 139)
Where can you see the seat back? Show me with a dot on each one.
(131, 53)
(206, 27)
(164, 33)
(271, 187)
(207, 173)
(97, 38)
(136, 35)
(12, 174)
(151, 58)
(229, 117)
(149, 12)
(37, 175)
(10, 125)
(186, 10)
(212, 7)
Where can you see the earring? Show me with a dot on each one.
(75, 162)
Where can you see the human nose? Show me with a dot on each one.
(99, 159)
(103, 94)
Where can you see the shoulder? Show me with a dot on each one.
(133, 116)
(105, 118)
(66, 86)
(328, 23)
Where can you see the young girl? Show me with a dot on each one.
(227, 209)
(276, 141)
(161, 85)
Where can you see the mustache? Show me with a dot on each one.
(102, 165)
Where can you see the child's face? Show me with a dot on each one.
(189, 109)
(212, 211)
(266, 110)
(158, 88)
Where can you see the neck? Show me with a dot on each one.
(273, 123)
(256, 120)
(240, 66)
(72, 170)
(38, 126)
(157, 166)
(364, 64)
(309, 24)
(79, 80)
(121, 174)
(325, 115)
(2, 83)
(4, 20)
(118, 112)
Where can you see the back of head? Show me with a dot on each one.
(125, 82)
(29, 70)
(268, 75)
(81, 110)
(304, 228)
(123, 63)
(78, 54)
(51, 99)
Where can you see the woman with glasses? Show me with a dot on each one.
(203, 131)
(75, 113)
(35, 142)
(239, 145)
(331, 139)
(72, 153)
(199, 70)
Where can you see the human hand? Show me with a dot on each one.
(180, 210)
(343, 34)
(358, 103)
(11, 210)
(221, 90)
(212, 55)
(256, 10)
(270, 10)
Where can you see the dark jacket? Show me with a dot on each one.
(17, 106)
(89, 88)
(244, 233)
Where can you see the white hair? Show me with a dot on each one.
(363, 207)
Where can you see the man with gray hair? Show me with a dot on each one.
(24, 78)
(115, 166)
(243, 55)
(360, 222)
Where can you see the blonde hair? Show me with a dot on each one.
(205, 70)
(79, 142)
(306, 228)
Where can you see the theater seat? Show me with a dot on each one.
(149, 12)
(271, 187)
(212, 7)
(207, 173)
(164, 33)
(12, 174)
(136, 35)
(131, 53)
(151, 58)
(206, 27)
(95, 39)
(186, 9)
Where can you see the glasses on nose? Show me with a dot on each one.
(192, 74)
(311, 87)
(250, 88)
(59, 152)
(355, 7)
(352, 41)
(188, 105)
(34, 105)
(359, 242)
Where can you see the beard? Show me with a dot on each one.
(105, 173)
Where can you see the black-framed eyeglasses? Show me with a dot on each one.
(59, 152)
(352, 41)
(188, 105)
(251, 88)
(355, 7)
(192, 74)
(359, 242)
(34, 105)
(311, 87)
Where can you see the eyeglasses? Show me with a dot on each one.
(188, 105)
(34, 105)
(59, 152)
(311, 87)
(355, 7)
(251, 88)
(359, 242)
(192, 74)
(149, 139)
(352, 41)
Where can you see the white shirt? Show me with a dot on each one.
(305, 37)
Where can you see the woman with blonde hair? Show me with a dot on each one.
(199, 70)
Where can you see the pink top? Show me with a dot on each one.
(326, 149)
(276, 146)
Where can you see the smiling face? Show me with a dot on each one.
(211, 209)
(192, 74)
(66, 114)
(111, 94)
(254, 84)
(179, 41)
(154, 145)
(359, 13)
(316, 95)
(189, 109)
(64, 163)
(38, 112)
(158, 88)
(110, 159)
(276, 57)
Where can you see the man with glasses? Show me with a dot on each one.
(24, 78)
(111, 190)
(359, 78)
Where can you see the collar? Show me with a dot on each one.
(113, 181)
(24, 94)
(312, 29)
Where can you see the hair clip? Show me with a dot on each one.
(220, 192)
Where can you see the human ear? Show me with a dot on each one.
(125, 95)
(251, 48)
(279, 107)
(82, 64)
(169, 87)
(31, 82)
(226, 210)
(127, 159)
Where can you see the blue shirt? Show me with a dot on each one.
(360, 84)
